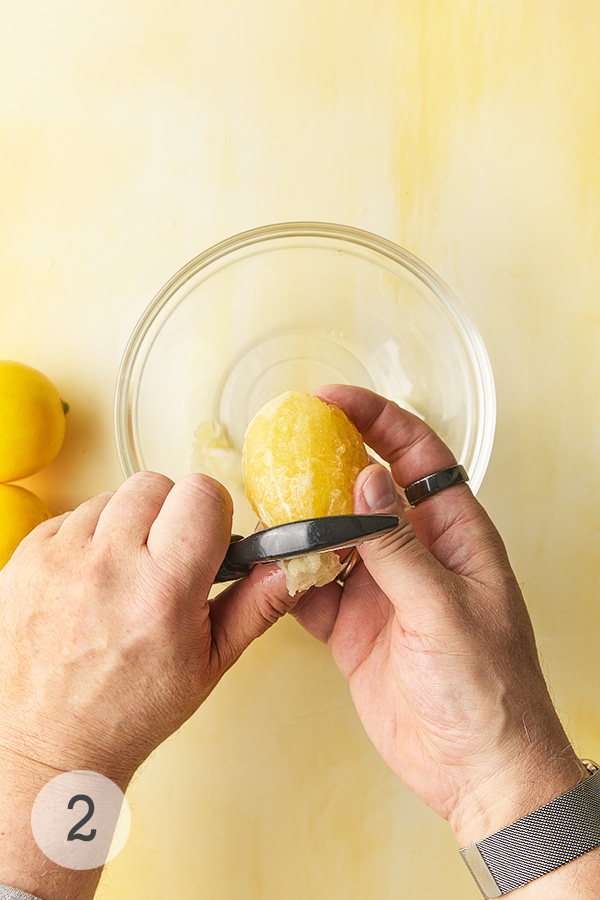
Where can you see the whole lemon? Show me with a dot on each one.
(32, 421)
(20, 512)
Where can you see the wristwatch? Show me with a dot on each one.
(542, 841)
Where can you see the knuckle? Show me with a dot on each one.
(275, 600)
(151, 479)
(100, 499)
(398, 539)
(203, 486)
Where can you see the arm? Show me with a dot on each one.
(434, 637)
(109, 645)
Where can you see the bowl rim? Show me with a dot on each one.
(309, 229)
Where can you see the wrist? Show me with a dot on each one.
(23, 862)
(38, 758)
(552, 851)
(513, 790)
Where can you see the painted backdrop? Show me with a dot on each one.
(135, 134)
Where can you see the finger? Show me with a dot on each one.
(398, 562)
(413, 450)
(128, 516)
(82, 521)
(411, 447)
(247, 608)
(190, 535)
(317, 610)
(470, 547)
(38, 538)
(47, 529)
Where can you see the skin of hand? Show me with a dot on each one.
(433, 635)
(110, 644)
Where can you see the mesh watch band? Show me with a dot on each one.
(537, 844)
(11, 893)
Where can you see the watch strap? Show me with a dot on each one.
(540, 842)
(11, 893)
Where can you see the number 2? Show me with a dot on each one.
(74, 835)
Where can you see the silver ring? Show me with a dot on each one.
(425, 487)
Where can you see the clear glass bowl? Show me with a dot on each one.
(291, 307)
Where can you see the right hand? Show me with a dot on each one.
(433, 634)
(110, 641)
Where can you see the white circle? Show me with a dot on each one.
(80, 820)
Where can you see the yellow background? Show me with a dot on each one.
(135, 134)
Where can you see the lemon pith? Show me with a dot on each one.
(300, 460)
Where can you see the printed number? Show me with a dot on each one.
(74, 835)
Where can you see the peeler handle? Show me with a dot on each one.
(229, 571)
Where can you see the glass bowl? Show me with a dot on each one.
(291, 307)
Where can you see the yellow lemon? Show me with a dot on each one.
(20, 512)
(300, 460)
(32, 421)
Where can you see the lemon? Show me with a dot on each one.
(20, 512)
(300, 460)
(32, 421)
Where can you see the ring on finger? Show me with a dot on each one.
(420, 490)
(348, 566)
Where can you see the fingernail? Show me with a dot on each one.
(379, 490)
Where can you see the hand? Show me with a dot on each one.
(432, 632)
(110, 643)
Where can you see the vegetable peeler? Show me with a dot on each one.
(298, 539)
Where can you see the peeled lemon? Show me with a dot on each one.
(32, 421)
(300, 460)
(20, 512)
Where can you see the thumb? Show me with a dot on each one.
(398, 559)
(244, 610)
